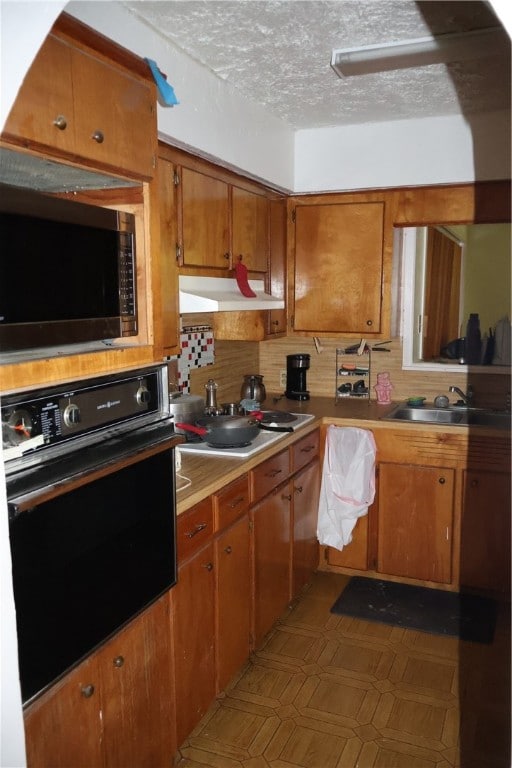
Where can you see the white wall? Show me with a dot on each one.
(436, 150)
(215, 121)
(212, 117)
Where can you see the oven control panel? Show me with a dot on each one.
(43, 418)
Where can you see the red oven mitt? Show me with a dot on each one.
(242, 281)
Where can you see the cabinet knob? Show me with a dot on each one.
(228, 550)
(286, 497)
(87, 691)
(226, 256)
(208, 566)
(442, 481)
(60, 122)
(200, 527)
(98, 137)
(369, 322)
(298, 489)
(474, 483)
(118, 661)
(275, 322)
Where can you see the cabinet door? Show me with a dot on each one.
(250, 234)
(233, 604)
(167, 261)
(271, 559)
(355, 554)
(136, 696)
(339, 246)
(43, 114)
(115, 116)
(305, 489)
(415, 522)
(485, 535)
(276, 318)
(80, 105)
(204, 202)
(194, 640)
(63, 728)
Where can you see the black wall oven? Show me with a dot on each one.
(92, 514)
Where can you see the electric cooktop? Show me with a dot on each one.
(261, 441)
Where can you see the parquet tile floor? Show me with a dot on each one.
(328, 691)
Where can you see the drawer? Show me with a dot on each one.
(305, 449)
(269, 474)
(231, 502)
(194, 528)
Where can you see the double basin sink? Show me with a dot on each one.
(456, 416)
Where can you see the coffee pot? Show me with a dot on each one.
(253, 388)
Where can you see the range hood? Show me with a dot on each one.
(221, 294)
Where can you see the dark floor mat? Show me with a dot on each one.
(468, 617)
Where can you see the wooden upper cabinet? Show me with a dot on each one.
(43, 111)
(250, 233)
(204, 220)
(338, 270)
(115, 116)
(81, 105)
(168, 270)
(276, 318)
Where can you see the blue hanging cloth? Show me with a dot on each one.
(165, 90)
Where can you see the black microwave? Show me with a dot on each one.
(67, 272)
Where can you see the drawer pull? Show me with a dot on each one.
(118, 661)
(237, 502)
(273, 473)
(228, 550)
(208, 566)
(98, 137)
(308, 448)
(442, 481)
(60, 122)
(197, 529)
(87, 691)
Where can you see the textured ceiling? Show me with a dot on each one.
(278, 52)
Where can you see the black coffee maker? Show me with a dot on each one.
(296, 367)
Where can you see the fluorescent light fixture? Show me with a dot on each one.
(420, 52)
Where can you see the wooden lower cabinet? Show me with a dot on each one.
(485, 531)
(233, 604)
(194, 640)
(355, 554)
(416, 505)
(115, 709)
(305, 492)
(271, 559)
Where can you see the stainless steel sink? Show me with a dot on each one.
(451, 416)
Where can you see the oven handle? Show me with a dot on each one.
(23, 502)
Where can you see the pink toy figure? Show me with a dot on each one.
(383, 389)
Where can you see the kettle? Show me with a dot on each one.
(253, 388)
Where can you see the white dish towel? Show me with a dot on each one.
(348, 483)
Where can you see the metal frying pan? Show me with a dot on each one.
(229, 431)
(224, 431)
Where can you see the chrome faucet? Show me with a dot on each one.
(466, 398)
